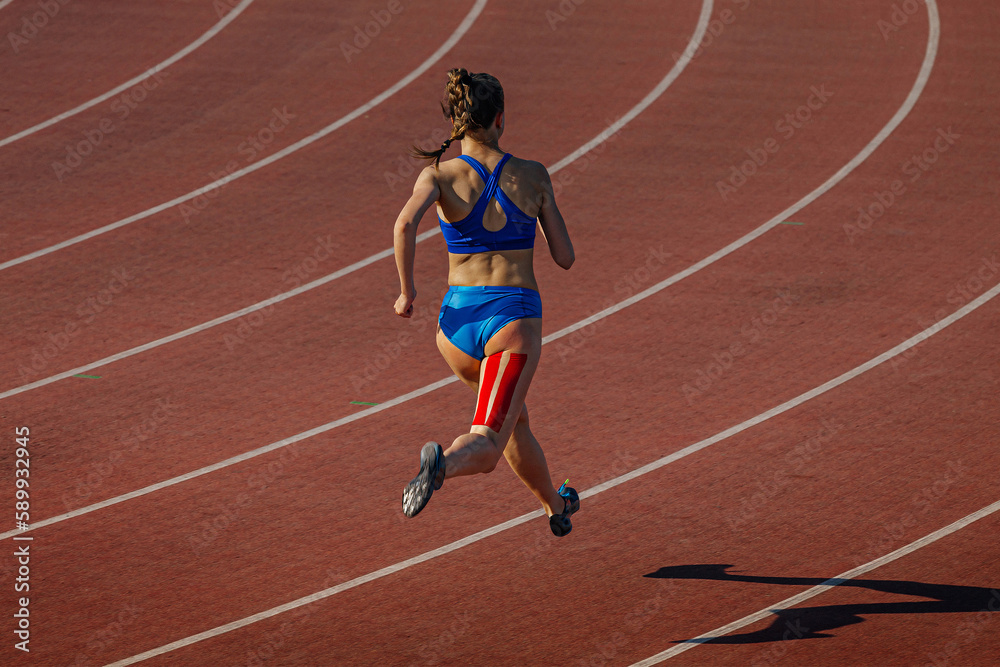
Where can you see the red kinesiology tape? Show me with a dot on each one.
(496, 388)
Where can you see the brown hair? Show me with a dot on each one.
(473, 102)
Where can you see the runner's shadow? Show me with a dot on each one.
(812, 622)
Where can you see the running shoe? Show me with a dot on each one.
(560, 523)
(428, 480)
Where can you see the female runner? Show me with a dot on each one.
(490, 325)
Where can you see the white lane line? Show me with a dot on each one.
(4, 3)
(911, 100)
(212, 32)
(820, 588)
(499, 528)
(706, 11)
(603, 136)
(696, 37)
(460, 31)
(378, 574)
(894, 122)
(205, 325)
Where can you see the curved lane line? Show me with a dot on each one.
(930, 538)
(605, 135)
(155, 69)
(932, 42)
(460, 31)
(524, 518)
(933, 37)
(416, 393)
(678, 67)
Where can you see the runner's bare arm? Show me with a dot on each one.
(425, 192)
(552, 223)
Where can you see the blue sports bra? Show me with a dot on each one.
(468, 235)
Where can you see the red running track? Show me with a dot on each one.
(869, 466)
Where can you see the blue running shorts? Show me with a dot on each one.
(471, 315)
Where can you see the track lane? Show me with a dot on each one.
(133, 409)
(269, 371)
(220, 545)
(85, 49)
(232, 107)
(910, 621)
(147, 78)
(610, 596)
(265, 214)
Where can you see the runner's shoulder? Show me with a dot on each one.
(534, 171)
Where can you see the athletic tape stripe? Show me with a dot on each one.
(603, 136)
(820, 588)
(288, 150)
(378, 574)
(488, 383)
(508, 384)
(497, 392)
(155, 69)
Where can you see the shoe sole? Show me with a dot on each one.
(419, 490)
(560, 523)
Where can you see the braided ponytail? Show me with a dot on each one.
(473, 102)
